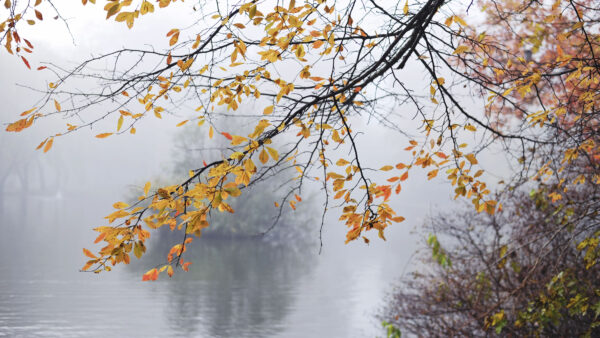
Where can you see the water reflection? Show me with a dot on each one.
(234, 288)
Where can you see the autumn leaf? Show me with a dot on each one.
(150, 275)
(268, 110)
(263, 157)
(100, 237)
(48, 144)
(120, 205)
(273, 153)
(471, 158)
(25, 62)
(174, 34)
(120, 122)
(461, 49)
(236, 140)
(88, 253)
(103, 135)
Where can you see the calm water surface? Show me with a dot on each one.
(234, 289)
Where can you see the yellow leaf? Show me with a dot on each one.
(470, 127)
(211, 132)
(273, 153)
(268, 110)
(471, 158)
(103, 135)
(181, 123)
(237, 140)
(386, 168)
(146, 8)
(57, 105)
(263, 157)
(146, 188)
(461, 49)
(405, 7)
(460, 20)
(120, 205)
(341, 162)
(120, 123)
(138, 250)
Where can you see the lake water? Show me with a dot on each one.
(242, 288)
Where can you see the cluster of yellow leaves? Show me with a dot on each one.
(183, 207)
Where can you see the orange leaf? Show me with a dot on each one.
(100, 237)
(41, 144)
(48, 144)
(103, 135)
(229, 137)
(150, 275)
(88, 253)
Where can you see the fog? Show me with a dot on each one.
(50, 202)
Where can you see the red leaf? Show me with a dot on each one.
(227, 135)
(26, 62)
